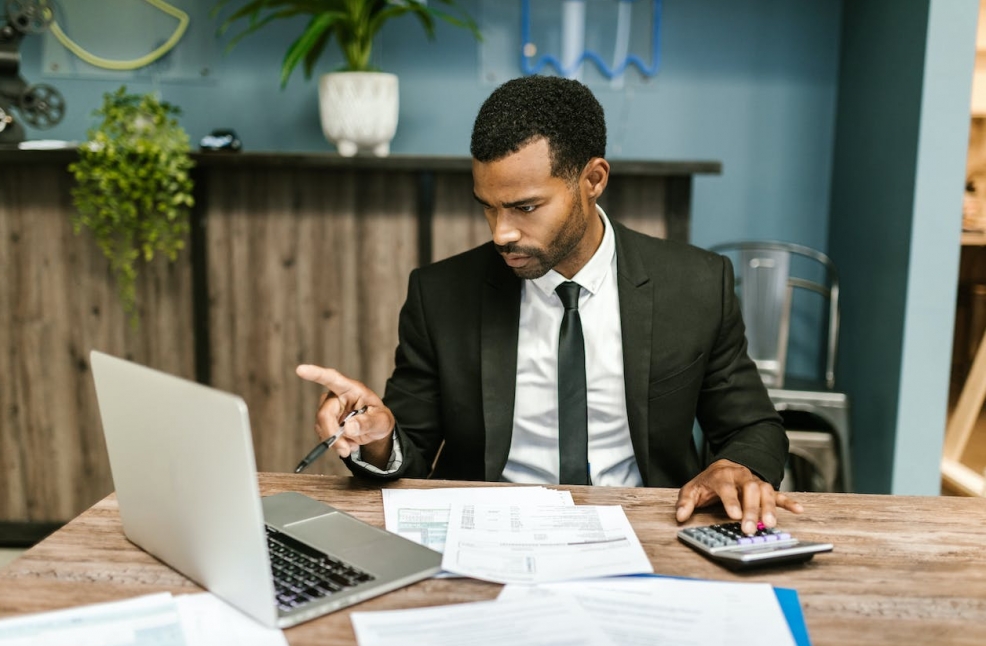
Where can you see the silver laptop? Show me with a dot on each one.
(182, 460)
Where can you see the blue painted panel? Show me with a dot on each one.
(935, 245)
(872, 207)
(903, 119)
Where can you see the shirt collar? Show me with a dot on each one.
(592, 275)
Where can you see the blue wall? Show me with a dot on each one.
(749, 83)
(752, 83)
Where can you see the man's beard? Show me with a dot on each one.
(542, 260)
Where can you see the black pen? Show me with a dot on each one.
(321, 447)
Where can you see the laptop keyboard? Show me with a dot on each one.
(302, 574)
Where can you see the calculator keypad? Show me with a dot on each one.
(729, 536)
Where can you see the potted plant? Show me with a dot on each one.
(358, 105)
(133, 189)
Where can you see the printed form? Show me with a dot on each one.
(541, 543)
(421, 515)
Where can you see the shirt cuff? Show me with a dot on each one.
(393, 464)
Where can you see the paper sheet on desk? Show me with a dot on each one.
(539, 622)
(209, 621)
(672, 612)
(150, 620)
(421, 515)
(538, 544)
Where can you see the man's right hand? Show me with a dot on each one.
(372, 430)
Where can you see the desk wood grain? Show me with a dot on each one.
(905, 570)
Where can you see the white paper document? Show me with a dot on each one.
(543, 543)
(209, 621)
(421, 515)
(641, 611)
(527, 622)
(150, 620)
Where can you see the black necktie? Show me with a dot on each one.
(573, 433)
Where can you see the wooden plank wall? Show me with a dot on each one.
(304, 266)
(58, 301)
(302, 263)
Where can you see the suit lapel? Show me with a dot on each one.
(636, 318)
(500, 318)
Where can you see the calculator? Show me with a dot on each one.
(727, 545)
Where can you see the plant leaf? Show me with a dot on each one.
(353, 23)
(318, 27)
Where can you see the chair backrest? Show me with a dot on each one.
(767, 275)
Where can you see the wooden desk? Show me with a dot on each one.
(906, 570)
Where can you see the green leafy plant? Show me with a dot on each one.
(353, 23)
(133, 188)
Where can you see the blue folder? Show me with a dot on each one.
(791, 605)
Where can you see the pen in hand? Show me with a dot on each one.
(322, 446)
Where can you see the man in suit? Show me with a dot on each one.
(482, 389)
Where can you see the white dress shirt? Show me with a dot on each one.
(533, 457)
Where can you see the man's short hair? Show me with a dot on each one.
(523, 110)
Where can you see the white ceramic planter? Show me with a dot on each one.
(359, 111)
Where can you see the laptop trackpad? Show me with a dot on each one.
(334, 532)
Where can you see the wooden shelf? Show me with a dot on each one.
(397, 162)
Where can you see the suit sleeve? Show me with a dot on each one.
(735, 413)
(412, 392)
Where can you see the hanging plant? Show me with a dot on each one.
(133, 188)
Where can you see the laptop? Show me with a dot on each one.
(181, 456)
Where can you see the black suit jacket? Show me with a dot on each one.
(684, 356)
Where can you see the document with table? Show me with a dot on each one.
(421, 515)
(538, 544)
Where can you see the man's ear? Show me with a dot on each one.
(595, 176)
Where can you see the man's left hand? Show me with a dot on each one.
(745, 497)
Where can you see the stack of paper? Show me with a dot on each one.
(560, 563)
(516, 534)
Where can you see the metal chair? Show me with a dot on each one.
(769, 278)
